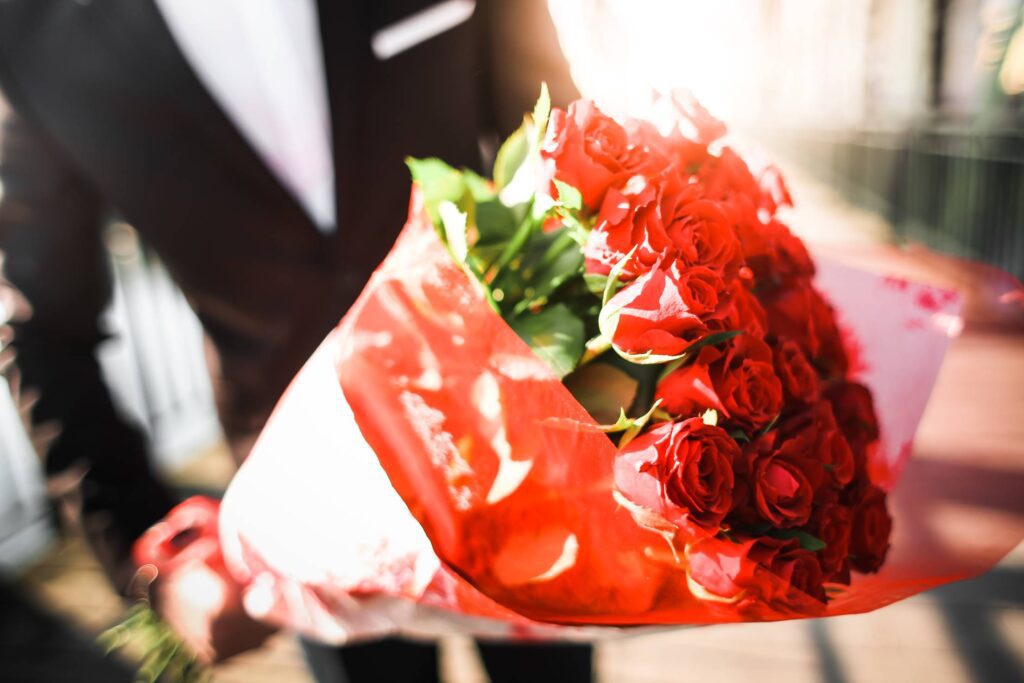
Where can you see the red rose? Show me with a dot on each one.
(705, 127)
(701, 288)
(773, 189)
(689, 389)
(590, 150)
(727, 177)
(838, 457)
(699, 229)
(815, 429)
(755, 574)
(789, 257)
(832, 524)
(674, 149)
(746, 383)
(693, 463)
(656, 315)
(854, 412)
(663, 218)
(739, 383)
(627, 219)
(799, 378)
(798, 568)
(743, 312)
(869, 540)
(801, 314)
(782, 490)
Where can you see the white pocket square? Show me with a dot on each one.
(419, 27)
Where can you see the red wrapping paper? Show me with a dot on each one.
(516, 492)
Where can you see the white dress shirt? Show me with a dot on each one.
(262, 61)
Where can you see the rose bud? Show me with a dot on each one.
(693, 463)
(869, 540)
(655, 315)
(799, 378)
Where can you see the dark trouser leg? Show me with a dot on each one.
(392, 660)
(537, 662)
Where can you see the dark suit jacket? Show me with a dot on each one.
(108, 116)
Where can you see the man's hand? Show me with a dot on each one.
(203, 605)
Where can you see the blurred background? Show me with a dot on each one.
(895, 121)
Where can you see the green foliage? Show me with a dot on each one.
(807, 541)
(495, 223)
(511, 155)
(541, 114)
(554, 334)
(568, 196)
(439, 182)
(164, 656)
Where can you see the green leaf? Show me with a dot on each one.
(771, 425)
(555, 335)
(495, 223)
(603, 390)
(569, 196)
(478, 186)
(596, 283)
(711, 340)
(512, 248)
(690, 352)
(739, 436)
(438, 181)
(550, 260)
(541, 114)
(511, 155)
(164, 656)
(807, 541)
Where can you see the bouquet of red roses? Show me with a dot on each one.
(601, 389)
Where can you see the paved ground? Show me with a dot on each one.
(971, 631)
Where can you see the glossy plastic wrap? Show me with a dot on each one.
(424, 401)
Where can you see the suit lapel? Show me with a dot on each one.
(345, 50)
(138, 28)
